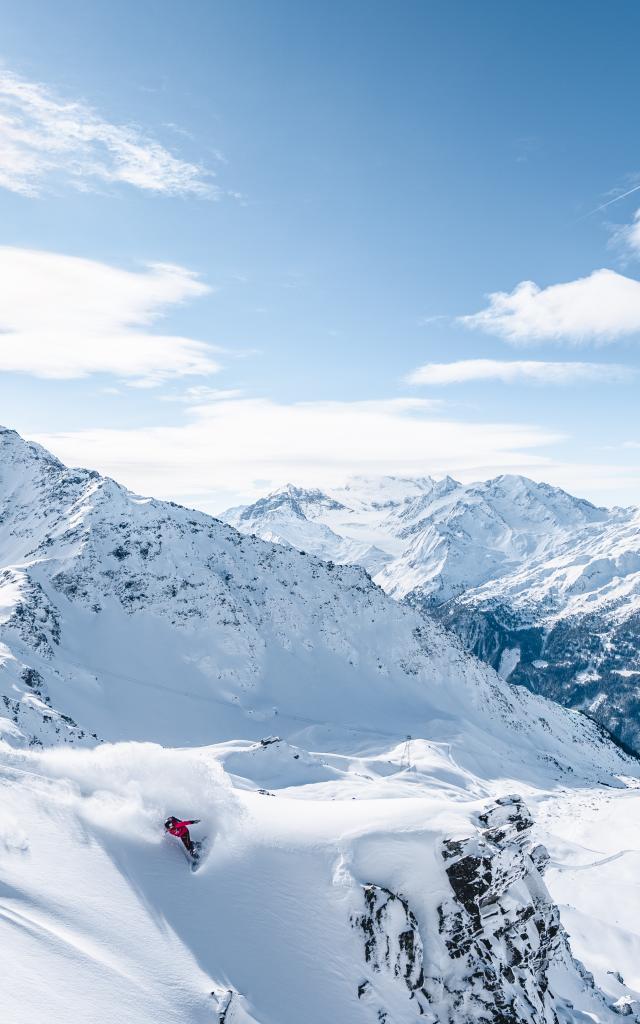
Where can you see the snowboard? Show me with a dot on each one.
(193, 859)
(197, 848)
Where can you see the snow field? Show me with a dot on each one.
(593, 838)
(106, 922)
(102, 912)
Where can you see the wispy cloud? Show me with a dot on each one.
(65, 317)
(425, 321)
(513, 371)
(598, 308)
(201, 394)
(627, 236)
(45, 140)
(313, 443)
(526, 148)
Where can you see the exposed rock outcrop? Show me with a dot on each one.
(494, 951)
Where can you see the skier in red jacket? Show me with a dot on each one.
(178, 828)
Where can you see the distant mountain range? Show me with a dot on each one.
(542, 585)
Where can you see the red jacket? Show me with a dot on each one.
(180, 828)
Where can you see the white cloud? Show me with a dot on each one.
(601, 307)
(629, 236)
(44, 139)
(512, 371)
(65, 317)
(213, 458)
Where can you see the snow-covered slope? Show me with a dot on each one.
(350, 873)
(390, 888)
(542, 585)
(479, 532)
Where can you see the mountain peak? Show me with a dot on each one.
(13, 445)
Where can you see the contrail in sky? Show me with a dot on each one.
(617, 199)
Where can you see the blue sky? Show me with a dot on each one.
(244, 243)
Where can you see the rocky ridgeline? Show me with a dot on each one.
(495, 950)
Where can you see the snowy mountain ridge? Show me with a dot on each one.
(365, 857)
(438, 537)
(107, 594)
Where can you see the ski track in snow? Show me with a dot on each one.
(595, 864)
